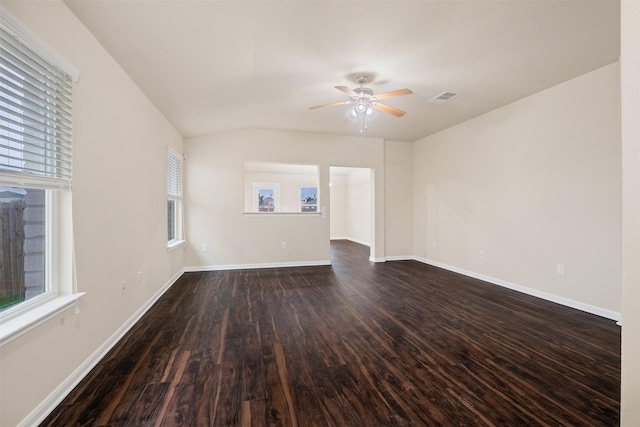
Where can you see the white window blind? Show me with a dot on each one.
(35, 116)
(174, 175)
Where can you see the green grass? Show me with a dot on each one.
(6, 302)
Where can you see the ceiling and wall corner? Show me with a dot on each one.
(214, 66)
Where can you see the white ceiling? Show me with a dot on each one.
(213, 66)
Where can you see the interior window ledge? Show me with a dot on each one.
(281, 214)
(16, 326)
(171, 246)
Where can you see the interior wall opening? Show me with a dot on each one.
(351, 205)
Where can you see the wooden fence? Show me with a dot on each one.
(12, 283)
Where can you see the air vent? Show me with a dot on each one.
(443, 97)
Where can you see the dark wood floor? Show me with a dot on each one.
(356, 344)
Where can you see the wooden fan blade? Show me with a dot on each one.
(388, 109)
(393, 93)
(329, 105)
(347, 90)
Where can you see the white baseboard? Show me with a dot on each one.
(57, 396)
(360, 242)
(400, 258)
(608, 314)
(254, 266)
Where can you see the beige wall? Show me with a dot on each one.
(531, 185)
(398, 174)
(214, 197)
(630, 83)
(119, 214)
(338, 228)
(358, 209)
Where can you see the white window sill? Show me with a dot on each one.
(176, 244)
(16, 326)
(281, 214)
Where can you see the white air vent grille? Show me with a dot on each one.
(443, 97)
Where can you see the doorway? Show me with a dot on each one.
(351, 214)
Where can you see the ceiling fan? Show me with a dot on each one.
(366, 103)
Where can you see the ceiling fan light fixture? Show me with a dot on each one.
(365, 103)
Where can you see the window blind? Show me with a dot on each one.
(174, 174)
(35, 116)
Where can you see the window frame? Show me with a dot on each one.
(60, 289)
(271, 186)
(175, 197)
(316, 204)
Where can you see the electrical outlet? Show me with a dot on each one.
(205, 247)
(123, 286)
(284, 245)
(560, 269)
(481, 254)
(139, 277)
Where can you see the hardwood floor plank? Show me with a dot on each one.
(352, 344)
(168, 414)
(147, 407)
(281, 363)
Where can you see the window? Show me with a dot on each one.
(308, 199)
(35, 172)
(174, 198)
(265, 197)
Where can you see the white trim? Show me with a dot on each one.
(36, 44)
(176, 244)
(598, 311)
(372, 259)
(18, 325)
(360, 242)
(254, 266)
(281, 214)
(400, 258)
(53, 400)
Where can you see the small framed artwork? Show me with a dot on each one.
(308, 199)
(265, 197)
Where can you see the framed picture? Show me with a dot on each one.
(308, 199)
(265, 197)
